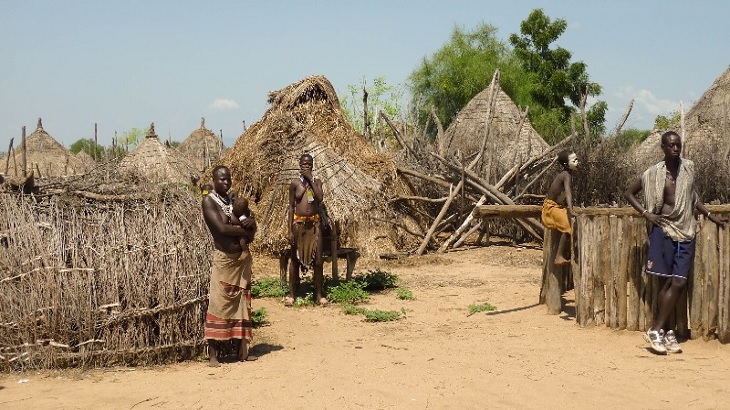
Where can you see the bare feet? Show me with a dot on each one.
(213, 362)
(289, 301)
(323, 302)
(559, 260)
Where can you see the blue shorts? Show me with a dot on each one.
(667, 257)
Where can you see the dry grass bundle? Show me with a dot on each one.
(153, 162)
(707, 124)
(45, 156)
(307, 117)
(97, 283)
(202, 147)
(86, 161)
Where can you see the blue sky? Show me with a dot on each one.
(125, 64)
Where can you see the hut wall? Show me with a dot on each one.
(612, 289)
(101, 283)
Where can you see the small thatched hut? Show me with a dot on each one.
(86, 160)
(45, 156)
(306, 117)
(202, 147)
(154, 162)
(508, 143)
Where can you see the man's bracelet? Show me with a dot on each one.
(709, 213)
(645, 212)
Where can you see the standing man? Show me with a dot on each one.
(305, 233)
(670, 202)
(558, 205)
(229, 304)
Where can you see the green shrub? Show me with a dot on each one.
(349, 309)
(381, 315)
(352, 292)
(482, 307)
(404, 294)
(307, 300)
(268, 287)
(377, 279)
(259, 317)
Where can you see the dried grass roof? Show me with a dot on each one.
(46, 156)
(154, 162)
(86, 160)
(307, 117)
(707, 126)
(202, 147)
(506, 145)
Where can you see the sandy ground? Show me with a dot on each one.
(437, 357)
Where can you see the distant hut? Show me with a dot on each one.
(648, 152)
(44, 155)
(306, 117)
(86, 160)
(154, 162)
(508, 144)
(202, 147)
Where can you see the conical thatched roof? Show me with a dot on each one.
(202, 147)
(307, 117)
(707, 124)
(506, 144)
(45, 155)
(154, 162)
(86, 160)
(707, 127)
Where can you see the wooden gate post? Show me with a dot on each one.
(552, 275)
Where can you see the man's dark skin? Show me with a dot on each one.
(300, 205)
(226, 238)
(670, 288)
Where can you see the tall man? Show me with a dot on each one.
(229, 305)
(305, 233)
(670, 201)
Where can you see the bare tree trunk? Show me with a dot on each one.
(366, 117)
(25, 165)
(11, 151)
(441, 144)
(624, 118)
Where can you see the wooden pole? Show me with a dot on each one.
(25, 165)
(96, 141)
(11, 152)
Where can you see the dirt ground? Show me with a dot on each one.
(437, 357)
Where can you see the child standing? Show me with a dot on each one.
(559, 196)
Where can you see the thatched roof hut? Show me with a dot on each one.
(86, 160)
(707, 124)
(306, 117)
(202, 147)
(154, 162)
(707, 127)
(46, 156)
(507, 145)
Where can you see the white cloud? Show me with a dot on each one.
(223, 104)
(646, 101)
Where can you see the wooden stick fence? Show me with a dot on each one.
(611, 287)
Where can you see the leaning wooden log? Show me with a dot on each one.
(623, 119)
(460, 241)
(441, 214)
(396, 132)
(534, 211)
(462, 228)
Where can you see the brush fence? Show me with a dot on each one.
(102, 282)
(611, 287)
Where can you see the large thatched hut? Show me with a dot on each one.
(154, 162)
(86, 160)
(306, 117)
(45, 156)
(707, 124)
(511, 139)
(202, 147)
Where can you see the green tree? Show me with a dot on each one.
(632, 136)
(461, 69)
(381, 96)
(131, 137)
(671, 122)
(556, 79)
(86, 145)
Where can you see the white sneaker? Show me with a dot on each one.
(671, 344)
(656, 340)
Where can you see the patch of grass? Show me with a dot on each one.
(377, 279)
(307, 300)
(373, 315)
(352, 292)
(404, 294)
(268, 287)
(260, 317)
(381, 315)
(482, 307)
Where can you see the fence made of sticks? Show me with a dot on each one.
(99, 282)
(611, 285)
